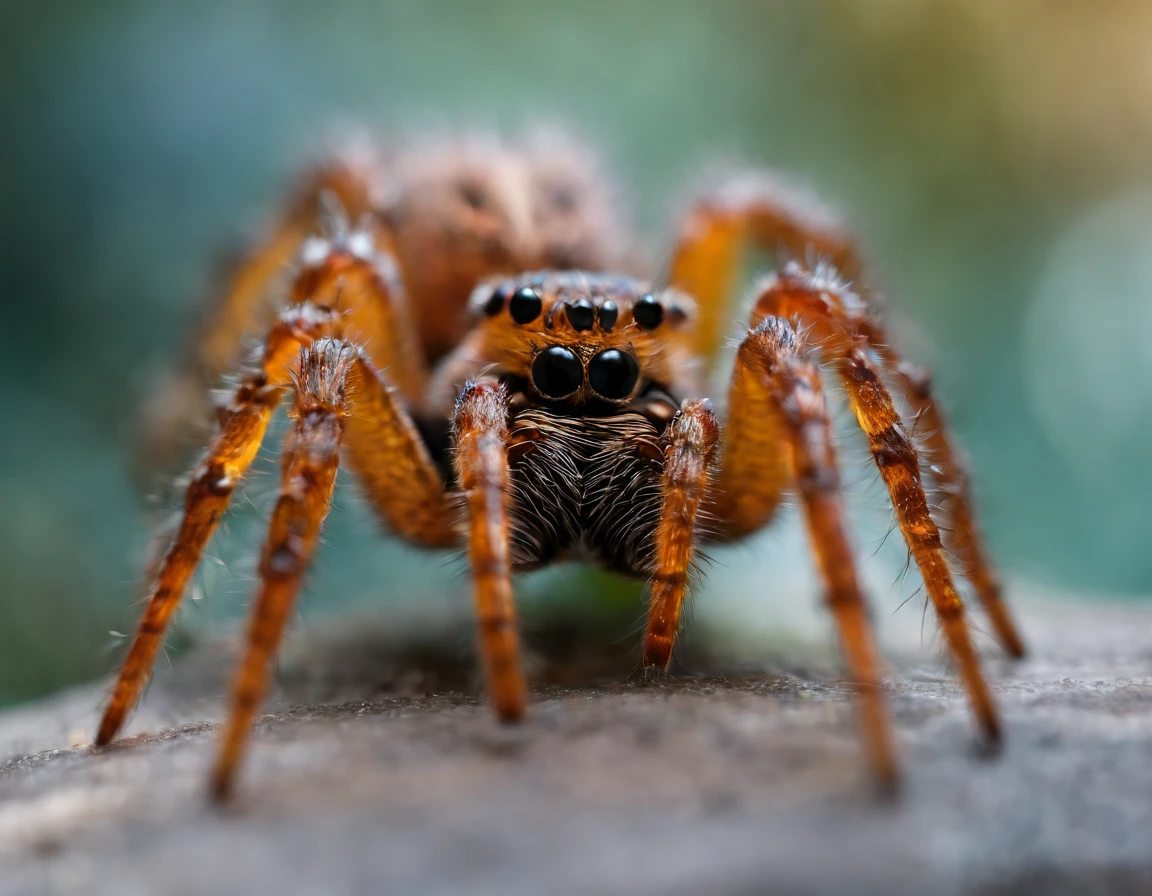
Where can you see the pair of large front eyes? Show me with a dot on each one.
(612, 374)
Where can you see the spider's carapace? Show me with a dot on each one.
(471, 349)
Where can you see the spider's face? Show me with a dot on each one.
(578, 338)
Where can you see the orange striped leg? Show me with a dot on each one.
(840, 323)
(958, 517)
(349, 273)
(311, 457)
(789, 385)
(243, 426)
(480, 435)
(242, 307)
(690, 446)
(759, 208)
(840, 319)
(896, 457)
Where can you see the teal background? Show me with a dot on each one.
(995, 159)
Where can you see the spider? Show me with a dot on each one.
(470, 351)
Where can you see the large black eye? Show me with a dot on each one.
(648, 312)
(525, 305)
(557, 373)
(613, 374)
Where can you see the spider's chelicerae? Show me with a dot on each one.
(471, 351)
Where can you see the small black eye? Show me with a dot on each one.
(613, 374)
(648, 312)
(495, 303)
(581, 314)
(556, 372)
(525, 305)
(608, 313)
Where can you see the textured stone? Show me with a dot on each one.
(379, 770)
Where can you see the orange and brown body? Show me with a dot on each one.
(470, 349)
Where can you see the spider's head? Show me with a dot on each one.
(583, 339)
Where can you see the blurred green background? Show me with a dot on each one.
(995, 158)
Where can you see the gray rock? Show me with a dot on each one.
(379, 770)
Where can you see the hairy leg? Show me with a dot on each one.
(348, 179)
(310, 459)
(760, 208)
(348, 272)
(954, 487)
(481, 436)
(818, 303)
(689, 449)
(242, 430)
(314, 234)
(340, 398)
(780, 380)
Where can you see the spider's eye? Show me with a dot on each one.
(648, 312)
(581, 314)
(608, 313)
(613, 374)
(495, 303)
(525, 305)
(556, 372)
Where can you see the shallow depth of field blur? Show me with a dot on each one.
(995, 158)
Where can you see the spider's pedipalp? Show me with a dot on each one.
(480, 428)
(690, 443)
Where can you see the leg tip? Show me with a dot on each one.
(888, 785)
(510, 710)
(220, 788)
(107, 732)
(657, 655)
(991, 742)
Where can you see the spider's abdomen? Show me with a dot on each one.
(584, 488)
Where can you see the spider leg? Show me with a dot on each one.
(777, 380)
(351, 275)
(760, 208)
(757, 207)
(242, 430)
(951, 478)
(689, 448)
(340, 398)
(818, 303)
(310, 459)
(480, 434)
(348, 178)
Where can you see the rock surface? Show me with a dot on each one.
(379, 770)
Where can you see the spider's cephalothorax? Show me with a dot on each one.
(592, 366)
(564, 415)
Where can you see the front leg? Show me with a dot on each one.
(480, 434)
(777, 394)
(689, 450)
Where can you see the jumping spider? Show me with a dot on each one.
(534, 416)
